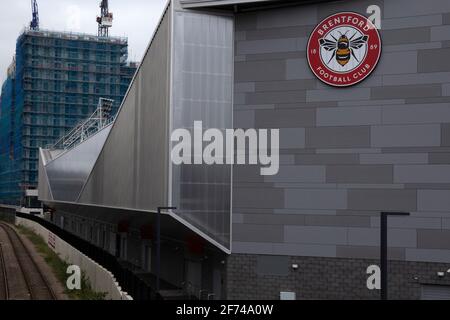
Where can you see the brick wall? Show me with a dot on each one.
(328, 278)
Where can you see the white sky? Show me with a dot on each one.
(135, 19)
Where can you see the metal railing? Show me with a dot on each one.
(96, 122)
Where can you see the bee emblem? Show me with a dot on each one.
(343, 48)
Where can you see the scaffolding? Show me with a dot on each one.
(54, 84)
(10, 150)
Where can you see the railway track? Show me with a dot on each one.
(36, 283)
(4, 291)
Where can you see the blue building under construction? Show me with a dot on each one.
(55, 80)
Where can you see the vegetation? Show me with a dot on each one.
(59, 268)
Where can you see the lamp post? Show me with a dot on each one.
(384, 251)
(158, 243)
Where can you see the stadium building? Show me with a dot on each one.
(347, 153)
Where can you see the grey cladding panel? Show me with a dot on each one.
(298, 174)
(434, 60)
(316, 199)
(427, 135)
(388, 200)
(407, 35)
(359, 174)
(258, 198)
(348, 116)
(260, 70)
(402, 92)
(285, 118)
(406, 8)
(445, 134)
(315, 235)
(422, 174)
(439, 158)
(338, 137)
(433, 239)
(434, 200)
(257, 233)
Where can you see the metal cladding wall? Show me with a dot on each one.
(346, 153)
(203, 91)
(44, 191)
(68, 172)
(132, 169)
(174, 86)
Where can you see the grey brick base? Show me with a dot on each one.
(328, 278)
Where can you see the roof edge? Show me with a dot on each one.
(214, 3)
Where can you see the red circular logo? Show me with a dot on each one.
(344, 49)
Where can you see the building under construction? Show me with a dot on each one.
(54, 82)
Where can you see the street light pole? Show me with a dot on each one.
(158, 244)
(384, 251)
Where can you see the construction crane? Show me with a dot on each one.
(105, 20)
(34, 24)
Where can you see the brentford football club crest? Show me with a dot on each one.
(344, 49)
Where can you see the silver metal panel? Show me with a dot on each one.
(69, 171)
(44, 192)
(132, 169)
(202, 91)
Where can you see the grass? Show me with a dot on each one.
(59, 268)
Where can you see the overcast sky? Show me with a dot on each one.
(135, 19)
